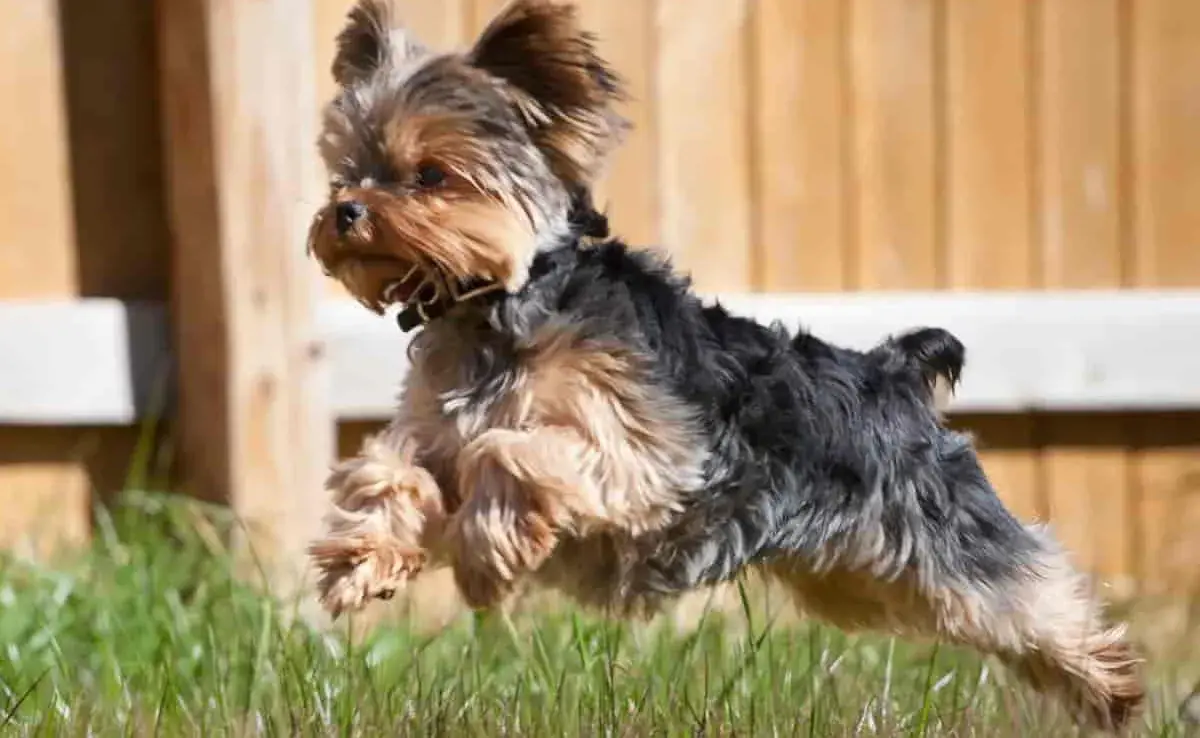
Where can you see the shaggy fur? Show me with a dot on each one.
(576, 417)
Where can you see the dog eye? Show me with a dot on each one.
(430, 175)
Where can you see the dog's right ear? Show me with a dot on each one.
(369, 42)
(557, 80)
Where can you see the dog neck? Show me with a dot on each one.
(585, 223)
(471, 291)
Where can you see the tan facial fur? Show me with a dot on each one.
(511, 126)
(456, 227)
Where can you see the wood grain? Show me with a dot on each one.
(1008, 451)
(988, 202)
(896, 135)
(800, 139)
(110, 79)
(628, 191)
(1165, 98)
(1164, 187)
(50, 478)
(1080, 152)
(237, 86)
(1166, 475)
(703, 140)
(45, 496)
(37, 246)
(44, 491)
(1085, 464)
(1087, 477)
(989, 186)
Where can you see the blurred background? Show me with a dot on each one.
(159, 173)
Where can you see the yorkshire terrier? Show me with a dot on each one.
(576, 417)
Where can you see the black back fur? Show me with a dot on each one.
(830, 454)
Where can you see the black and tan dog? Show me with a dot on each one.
(575, 416)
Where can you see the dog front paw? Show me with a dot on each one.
(376, 530)
(356, 569)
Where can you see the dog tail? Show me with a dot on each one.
(936, 353)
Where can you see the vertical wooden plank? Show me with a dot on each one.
(1008, 450)
(1164, 67)
(1087, 475)
(50, 478)
(703, 144)
(629, 189)
(1085, 463)
(116, 165)
(988, 201)
(255, 430)
(1165, 116)
(800, 139)
(37, 256)
(44, 488)
(1166, 464)
(989, 181)
(896, 134)
(1080, 155)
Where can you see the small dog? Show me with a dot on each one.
(575, 416)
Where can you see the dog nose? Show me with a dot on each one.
(348, 213)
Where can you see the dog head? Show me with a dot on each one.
(449, 171)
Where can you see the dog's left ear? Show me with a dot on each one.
(370, 42)
(563, 89)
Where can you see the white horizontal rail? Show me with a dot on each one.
(97, 361)
(85, 362)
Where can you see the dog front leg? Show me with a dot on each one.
(522, 489)
(385, 507)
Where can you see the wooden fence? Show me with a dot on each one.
(160, 154)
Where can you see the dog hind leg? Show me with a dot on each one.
(1042, 623)
(1055, 635)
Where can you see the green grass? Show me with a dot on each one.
(149, 634)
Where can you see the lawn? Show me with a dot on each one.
(148, 633)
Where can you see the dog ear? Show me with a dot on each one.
(565, 92)
(369, 42)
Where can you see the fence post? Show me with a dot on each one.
(256, 429)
